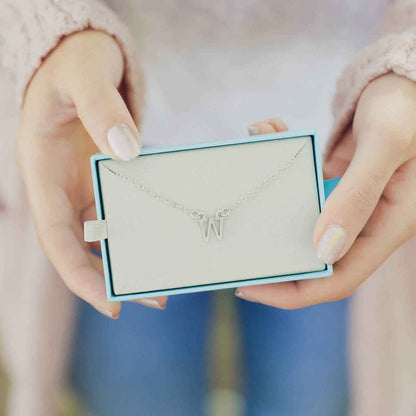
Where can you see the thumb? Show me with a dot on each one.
(107, 120)
(352, 202)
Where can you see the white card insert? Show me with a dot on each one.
(152, 246)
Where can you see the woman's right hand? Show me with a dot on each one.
(372, 211)
(73, 98)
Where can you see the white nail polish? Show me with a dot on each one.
(242, 295)
(331, 243)
(123, 142)
(253, 130)
(150, 303)
(106, 312)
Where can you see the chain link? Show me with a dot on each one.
(199, 215)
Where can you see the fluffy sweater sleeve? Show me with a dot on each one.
(394, 51)
(30, 29)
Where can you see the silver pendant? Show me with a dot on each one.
(208, 224)
(211, 224)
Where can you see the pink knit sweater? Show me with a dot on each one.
(394, 51)
(39, 25)
(29, 30)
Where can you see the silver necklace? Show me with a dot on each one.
(216, 222)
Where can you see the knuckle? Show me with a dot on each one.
(88, 94)
(363, 197)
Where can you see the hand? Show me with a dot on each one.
(372, 211)
(72, 99)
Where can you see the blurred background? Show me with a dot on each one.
(225, 397)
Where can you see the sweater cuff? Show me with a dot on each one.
(392, 53)
(41, 24)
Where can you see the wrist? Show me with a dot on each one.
(386, 110)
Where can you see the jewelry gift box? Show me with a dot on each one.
(209, 216)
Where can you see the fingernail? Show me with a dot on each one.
(331, 243)
(123, 142)
(107, 313)
(151, 303)
(240, 294)
(253, 130)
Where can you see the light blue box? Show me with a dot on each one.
(324, 188)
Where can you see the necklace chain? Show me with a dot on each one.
(199, 215)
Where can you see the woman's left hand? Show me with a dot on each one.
(372, 211)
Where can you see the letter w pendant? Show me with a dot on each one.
(212, 223)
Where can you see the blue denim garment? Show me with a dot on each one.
(153, 363)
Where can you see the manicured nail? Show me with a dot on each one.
(123, 142)
(107, 313)
(331, 244)
(240, 294)
(253, 130)
(151, 303)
